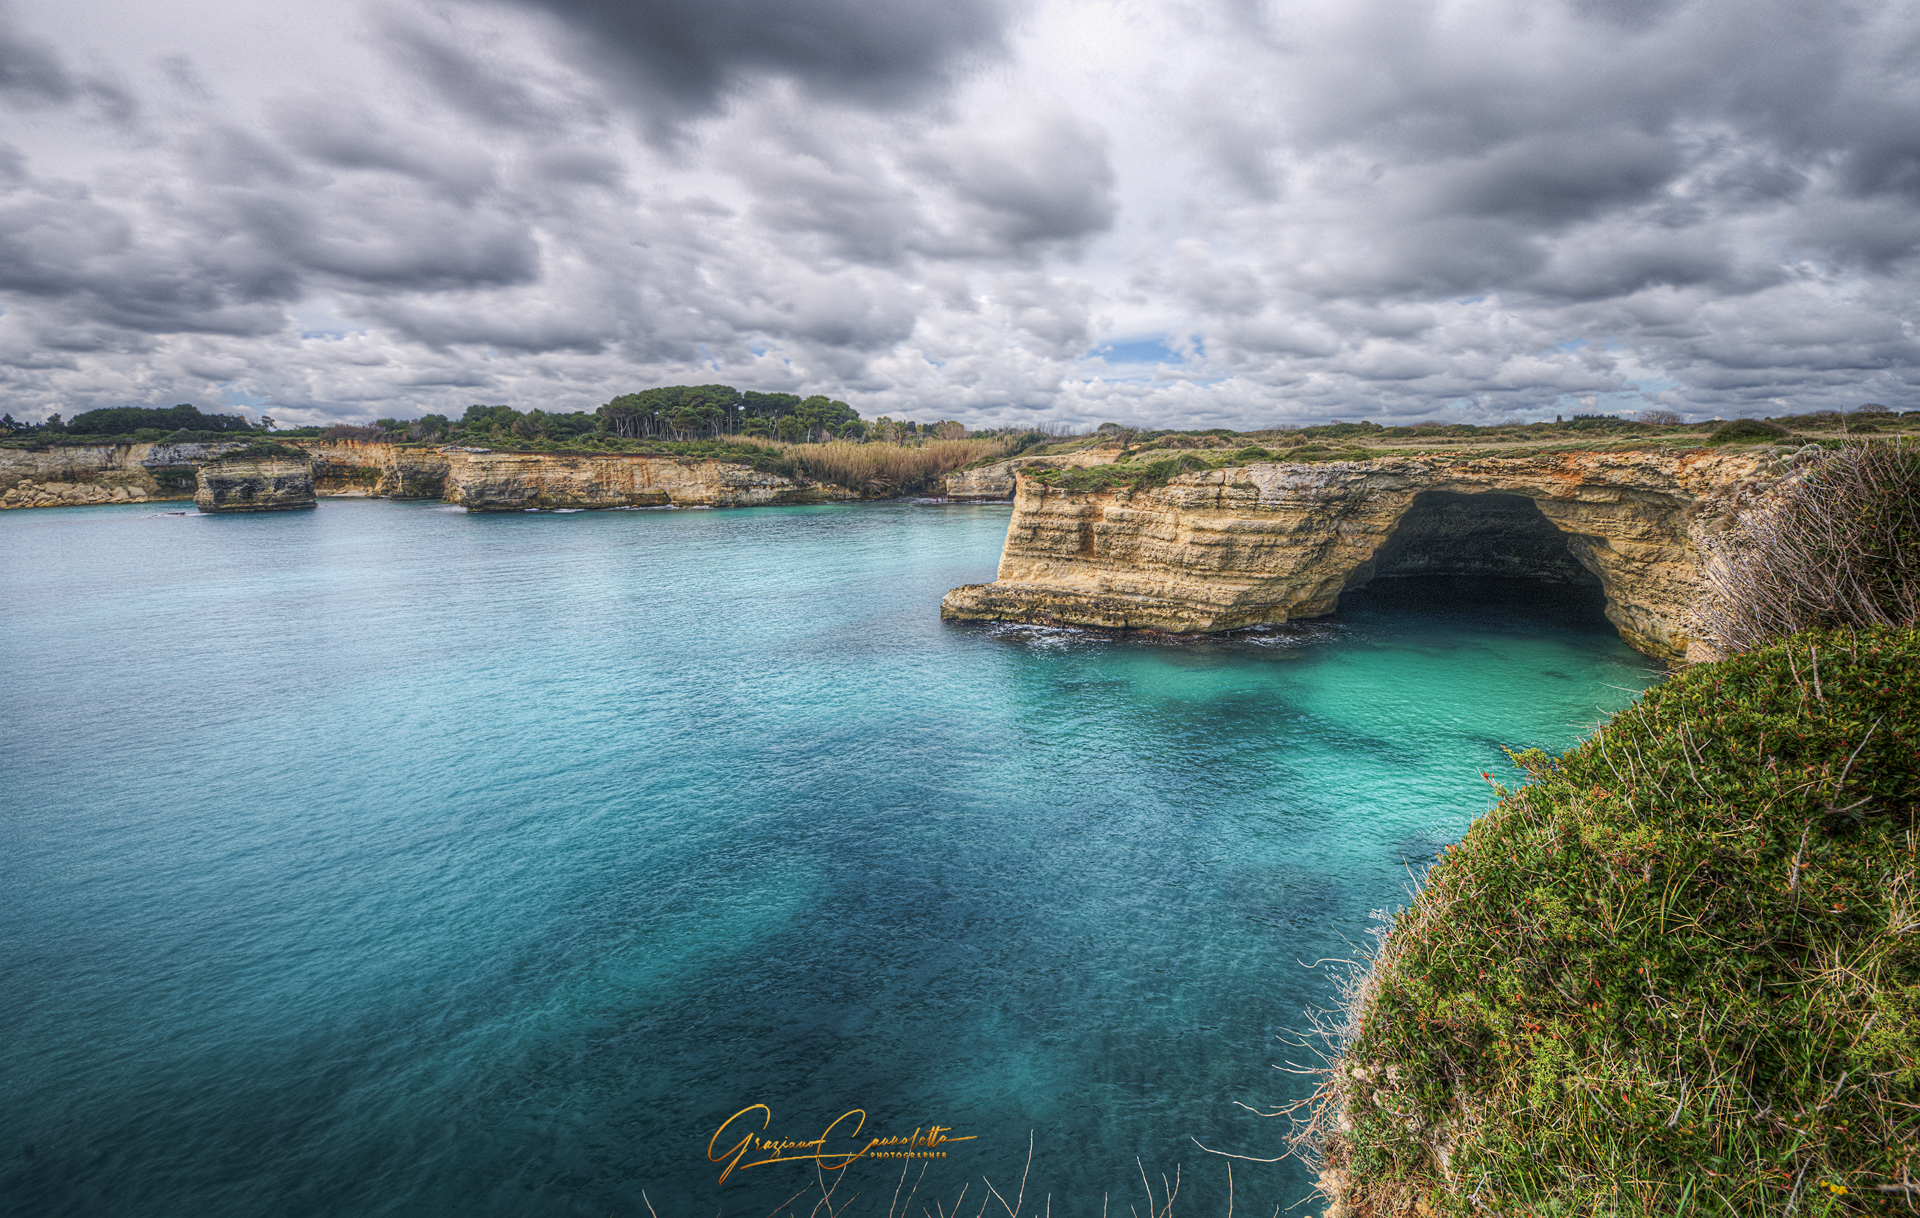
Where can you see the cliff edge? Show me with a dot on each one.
(1223, 549)
(259, 478)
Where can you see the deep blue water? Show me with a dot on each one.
(385, 859)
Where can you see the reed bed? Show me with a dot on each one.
(1837, 546)
(881, 468)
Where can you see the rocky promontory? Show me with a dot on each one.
(257, 478)
(490, 481)
(1262, 543)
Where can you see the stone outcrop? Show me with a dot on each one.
(255, 484)
(481, 480)
(373, 469)
(81, 474)
(1266, 543)
(996, 481)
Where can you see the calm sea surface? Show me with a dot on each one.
(389, 860)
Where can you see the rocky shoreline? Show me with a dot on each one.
(477, 479)
(1266, 543)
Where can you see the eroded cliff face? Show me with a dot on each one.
(1265, 543)
(371, 469)
(497, 481)
(77, 475)
(254, 484)
(477, 479)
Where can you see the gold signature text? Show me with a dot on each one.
(754, 1148)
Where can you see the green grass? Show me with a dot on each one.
(1155, 467)
(1676, 971)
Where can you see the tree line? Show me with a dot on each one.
(126, 420)
(671, 413)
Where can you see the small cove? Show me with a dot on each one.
(387, 859)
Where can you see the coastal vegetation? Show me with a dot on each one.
(1677, 969)
(1140, 460)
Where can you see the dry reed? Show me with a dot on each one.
(882, 468)
(1838, 546)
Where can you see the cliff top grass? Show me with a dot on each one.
(1677, 971)
(1152, 459)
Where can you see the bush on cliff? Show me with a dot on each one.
(1838, 545)
(1747, 431)
(1677, 971)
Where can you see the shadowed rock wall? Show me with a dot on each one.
(1449, 533)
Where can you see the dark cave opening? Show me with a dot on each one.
(1458, 550)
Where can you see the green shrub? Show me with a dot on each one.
(1679, 968)
(1747, 431)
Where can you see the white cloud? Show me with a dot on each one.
(1332, 208)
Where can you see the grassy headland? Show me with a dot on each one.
(1678, 969)
(1140, 460)
(1680, 966)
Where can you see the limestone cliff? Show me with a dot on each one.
(250, 483)
(1265, 543)
(80, 474)
(374, 469)
(996, 481)
(498, 481)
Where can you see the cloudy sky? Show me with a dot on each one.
(1173, 212)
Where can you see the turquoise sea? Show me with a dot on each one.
(389, 860)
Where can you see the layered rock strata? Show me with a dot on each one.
(255, 484)
(496, 481)
(82, 474)
(1266, 543)
(373, 469)
(479, 479)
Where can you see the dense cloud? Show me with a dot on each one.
(1224, 213)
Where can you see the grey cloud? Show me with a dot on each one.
(33, 75)
(32, 71)
(1048, 182)
(346, 134)
(681, 57)
(491, 93)
(1553, 179)
(1378, 207)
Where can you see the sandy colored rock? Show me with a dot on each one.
(482, 480)
(81, 474)
(1270, 542)
(255, 484)
(375, 469)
